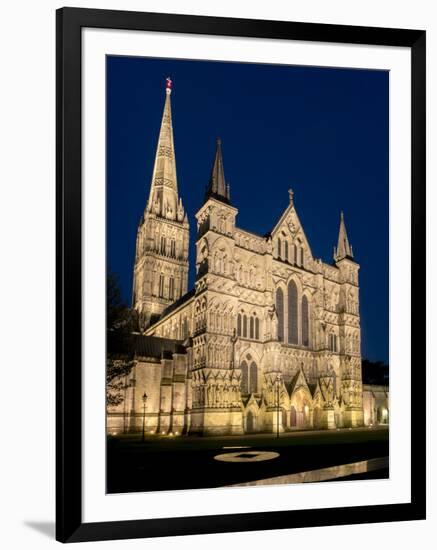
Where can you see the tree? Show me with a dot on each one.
(116, 372)
(375, 372)
(119, 316)
(122, 322)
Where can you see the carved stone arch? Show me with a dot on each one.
(251, 417)
(297, 280)
(249, 351)
(222, 245)
(301, 404)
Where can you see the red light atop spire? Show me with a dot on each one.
(168, 84)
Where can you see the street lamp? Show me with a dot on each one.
(277, 383)
(144, 414)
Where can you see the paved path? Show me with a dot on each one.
(169, 463)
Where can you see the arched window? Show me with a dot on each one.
(252, 328)
(184, 329)
(171, 288)
(280, 313)
(256, 328)
(253, 378)
(301, 257)
(173, 248)
(162, 245)
(293, 337)
(239, 325)
(279, 248)
(244, 326)
(294, 261)
(286, 251)
(333, 342)
(244, 378)
(161, 286)
(305, 322)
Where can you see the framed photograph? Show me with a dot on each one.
(240, 275)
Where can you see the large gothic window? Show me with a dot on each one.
(305, 322)
(249, 378)
(244, 326)
(244, 378)
(293, 337)
(253, 378)
(280, 313)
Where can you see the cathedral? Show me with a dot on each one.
(268, 340)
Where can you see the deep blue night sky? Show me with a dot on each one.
(321, 131)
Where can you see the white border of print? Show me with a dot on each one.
(97, 506)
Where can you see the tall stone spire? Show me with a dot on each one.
(217, 188)
(163, 197)
(161, 259)
(344, 249)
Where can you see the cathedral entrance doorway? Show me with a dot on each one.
(300, 409)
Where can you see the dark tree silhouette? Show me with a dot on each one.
(121, 322)
(375, 372)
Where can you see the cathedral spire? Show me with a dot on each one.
(217, 188)
(163, 197)
(344, 249)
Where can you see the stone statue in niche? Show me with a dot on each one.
(156, 206)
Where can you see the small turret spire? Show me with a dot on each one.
(344, 249)
(217, 187)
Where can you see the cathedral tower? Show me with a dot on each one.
(216, 380)
(350, 330)
(161, 260)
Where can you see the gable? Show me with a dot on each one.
(298, 382)
(289, 239)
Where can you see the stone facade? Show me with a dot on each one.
(269, 338)
(375, 404)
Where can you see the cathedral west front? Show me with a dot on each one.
(268, 340)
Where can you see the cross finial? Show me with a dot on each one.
(291, 194)
(168, 85)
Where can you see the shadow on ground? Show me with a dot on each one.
(46, 528)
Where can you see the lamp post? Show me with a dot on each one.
(144, 414)
(277, 383)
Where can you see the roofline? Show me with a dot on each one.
(166, 315)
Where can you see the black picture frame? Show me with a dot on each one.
(69, 525)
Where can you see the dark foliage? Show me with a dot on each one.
(375, 372)
(121, 320)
